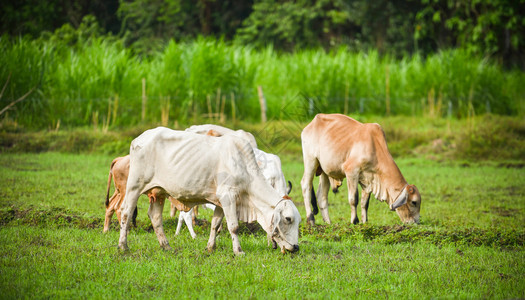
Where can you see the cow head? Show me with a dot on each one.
(284, 230)
(408, 204)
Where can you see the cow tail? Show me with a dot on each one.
(109, 182)
(314, 202)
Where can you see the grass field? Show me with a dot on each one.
(470, 243)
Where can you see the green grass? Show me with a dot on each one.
(470, 243)
(84, 263)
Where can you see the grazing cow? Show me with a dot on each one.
(197, 169)
(119, 171)
(337, 147)
(270, 166)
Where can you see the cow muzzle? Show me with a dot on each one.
(295, 248)
(412, 221)
(285, 247)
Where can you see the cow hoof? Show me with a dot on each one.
(311, 220)
(239, 253)
(355, 221)
(166, 247)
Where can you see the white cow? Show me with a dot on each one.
(197, 169)
(270, 165)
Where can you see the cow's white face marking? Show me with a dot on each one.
(285, 226)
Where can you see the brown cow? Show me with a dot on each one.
(336, 147)
(119, 172)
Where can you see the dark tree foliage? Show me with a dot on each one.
(482, 27)
(487, 27)
(148, 24)
(286, 24)
(31, 17)
(494, 28)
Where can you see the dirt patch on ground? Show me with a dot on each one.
(61, 217)
(504, 212)
(519, 165)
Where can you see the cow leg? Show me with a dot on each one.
(107, 219)
(179, 223)
(322, 196)
(155, 215)
(364, 206)
(186, 217)
(129, 205)
(353, 205)
(194, 214)
(230, 212)
(233, 227)
(110, 210)
(173, 210)
(216, 223)
(310, 166)
(189, 222)
(353, 195)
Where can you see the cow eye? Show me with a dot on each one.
(288, 220)
(414, 203)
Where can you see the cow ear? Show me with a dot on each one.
(401, 200)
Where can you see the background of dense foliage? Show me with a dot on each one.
(488, 27)
(91, 63)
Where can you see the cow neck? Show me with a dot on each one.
(265, 199)
(389, 181)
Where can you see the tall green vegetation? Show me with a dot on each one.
(97, 81)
